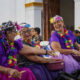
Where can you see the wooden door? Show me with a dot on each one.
(50, 8)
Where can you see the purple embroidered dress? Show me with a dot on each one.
(70, 64)
(28, 75)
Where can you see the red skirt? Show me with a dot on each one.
(28, 75)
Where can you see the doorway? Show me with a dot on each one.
(65, 8)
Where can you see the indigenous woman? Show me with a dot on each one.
(64, 41)
(35, 62)
(8, 52)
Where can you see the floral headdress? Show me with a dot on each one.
(55, 18)
(6, 25)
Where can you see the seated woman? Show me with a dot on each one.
(8, 52)
(35, 62)
(28, 38)
(64, 41)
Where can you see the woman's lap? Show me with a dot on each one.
(70, 64)
(28, 75)
(42, 73)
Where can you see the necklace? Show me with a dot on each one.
(67, 39)
(10, 51)
(12, 61)
(32, 43)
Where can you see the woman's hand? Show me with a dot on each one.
(50, 52)
(76, 52)
(15, 73)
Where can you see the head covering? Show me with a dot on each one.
(6, 25)
(56, 18)
(27, 26)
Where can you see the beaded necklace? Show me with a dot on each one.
(67, 39)
(12, 61)
(10, 51)
(32, 43)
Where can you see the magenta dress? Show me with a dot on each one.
(70, 64)
(28, 75)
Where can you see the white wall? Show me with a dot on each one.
(7, 10)
(15, 10)
(33, 14)
(77, 14)
(12, 10)
(28, 1)
(20, 11)
(37, 17)
(30, 15)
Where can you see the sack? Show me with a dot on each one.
(58, 65)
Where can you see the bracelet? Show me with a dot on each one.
(46, 52)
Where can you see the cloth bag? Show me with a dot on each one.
(58, 65)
